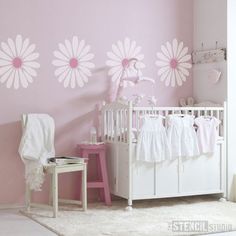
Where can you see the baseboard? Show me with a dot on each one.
(11, 206)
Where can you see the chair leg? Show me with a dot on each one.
(105, 178)
(55, 192)
(27, 197)
(51, 190)
(84, 187)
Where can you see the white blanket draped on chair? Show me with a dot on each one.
(36, 146)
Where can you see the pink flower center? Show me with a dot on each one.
(17, 62)
(173, 63)
(73, 62)
(125, 62)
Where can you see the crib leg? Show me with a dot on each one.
(129, 207)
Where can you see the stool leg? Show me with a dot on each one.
(105, 178)
(84, 187)
(55, 193)
(101, 190)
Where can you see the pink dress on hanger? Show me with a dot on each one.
(207, 133)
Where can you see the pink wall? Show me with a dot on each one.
(151, 23)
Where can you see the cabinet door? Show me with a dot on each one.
(167, 178)
(201, 174)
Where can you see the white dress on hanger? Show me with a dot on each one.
(182, 136)
(152, 144)
(207, 133)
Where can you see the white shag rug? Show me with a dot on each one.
(148, 218)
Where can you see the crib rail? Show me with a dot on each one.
(122, 122)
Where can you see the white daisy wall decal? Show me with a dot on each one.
(120, 60)
(17, 62)
(174, 64)
(73, 62)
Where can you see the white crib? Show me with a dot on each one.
(133, 180)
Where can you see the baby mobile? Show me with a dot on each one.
(125, 62)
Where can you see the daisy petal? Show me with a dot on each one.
(113, 63)
(63, 75)
(4, 56)
(75, 45)
(185, 65)
(136, 52)
(121, 49)
(63, 50)
(69, 47)
(162, 57)
(162, 63)
(183, 77)
(60, 70)
(5, 63)
(183, 53)
(73, 79)
(11, 79)
(172, 78)
(132, 48)
(116, 76)
(18, 45)
(127, 46)
(24, 46)
(23, 79)
(32, 57)
(164, 75)
(32, 64)
(112, 56)
(79, 79)
(67, 79)
(85, 50)
(29, 50)
(87, 64)
(59, 63)
(16, 80)
(4, 77)
(87, 57)
(185, 58)
(183, 70)
(163, 70)
(28, 77)
(117, 52)
(4, 69)
(30, 71)
(165, 52)
(81, 46)
(140, 57)
(85, 70)
(7, 50)
(175, 47)
(178, 78)
(60, 56)
(114, 69)
(83, 76)
(168, 79)
(169, 48)
(12, 47)
(180, 47)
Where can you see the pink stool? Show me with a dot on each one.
(99, 150)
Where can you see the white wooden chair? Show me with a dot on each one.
(54, 170)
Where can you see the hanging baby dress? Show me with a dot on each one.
(207, 133)
(152, 144)
(182, 136)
